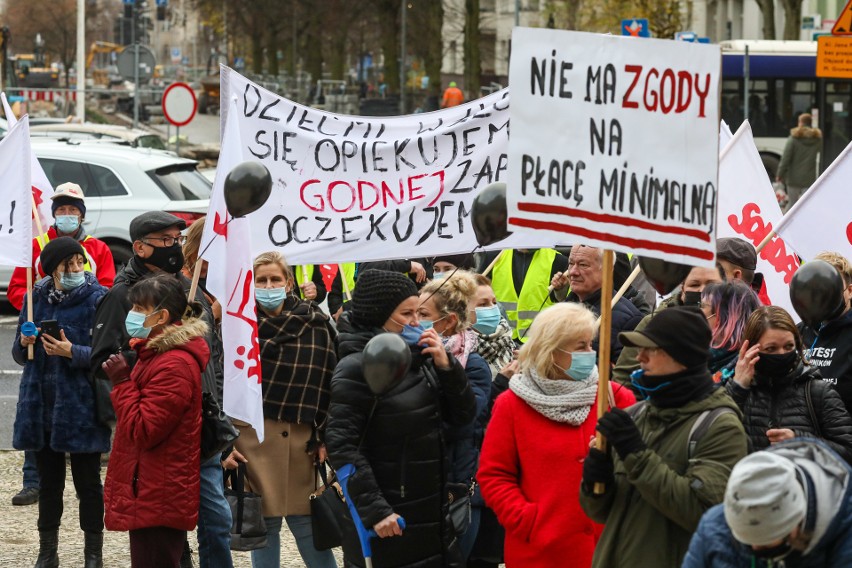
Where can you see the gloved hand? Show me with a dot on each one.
(621, 432)
(116, 368)
(597, 468)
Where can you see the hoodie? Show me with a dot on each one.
(829, 349)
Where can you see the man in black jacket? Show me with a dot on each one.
(585, 275)
(157, 249)
(829, 348)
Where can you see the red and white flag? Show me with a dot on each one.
(748, 210)
(821, 220)
(42, 190)
(15, 236)
(226, 246)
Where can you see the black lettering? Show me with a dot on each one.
(494, 129)
(398, 149)
(467, 146)
(374, 226)
(441, 223)
(279, 222)
(431, 228)
(296, 231)
(564, 93)
(347, 232)
(318, 149)
(327, 222)
(402, 238)
(427, 161)
(463, 214)
(246, 112)
(264, 116)
(465, 165)
(304, 120)
(261, 143)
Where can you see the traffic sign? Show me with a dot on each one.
(637, 27)
(126, 61)
(843, 25)
(691, 37)
(179, 104)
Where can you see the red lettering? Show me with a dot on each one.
(412, 188)
(637, 71)
(651, 107)
(331, 187)
(665, 106)
(386, 192)
(753, 228)
(321, 207)
(684, 87)
(361, 186)
(702, 95)
(440, 176)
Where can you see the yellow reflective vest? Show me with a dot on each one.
(534, 292)
(88, 267)
(300, 276)
(347, 276)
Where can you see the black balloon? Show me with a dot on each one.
(386, 360)
(247, 188)
(662, 275)
(489, 214)
(816, 291)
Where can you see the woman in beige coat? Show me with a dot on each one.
(297, 354)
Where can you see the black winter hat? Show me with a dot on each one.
(680, 331)
(153, 221)
(57, 251)
(377, 294)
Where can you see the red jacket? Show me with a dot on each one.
(529, 472)
(100, 260)
(155, 468)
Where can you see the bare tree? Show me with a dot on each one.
(767, 10)
(472, 56)
(792, 18)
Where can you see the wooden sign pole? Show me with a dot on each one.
(490, 267)
(347, 294)
(604, 349)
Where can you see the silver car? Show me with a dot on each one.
(120, 183)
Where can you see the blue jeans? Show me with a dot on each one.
(30, 470)
(300, 526)
(214, 519)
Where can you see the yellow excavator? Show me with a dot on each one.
(100, 75)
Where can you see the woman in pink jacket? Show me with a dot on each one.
(542, 427)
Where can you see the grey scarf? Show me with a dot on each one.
(565, 401)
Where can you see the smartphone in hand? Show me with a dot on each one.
(51, 328)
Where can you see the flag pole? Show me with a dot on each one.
(765, 241)
(626, 285)
(604, 349)
(196, 276)
(490, 267)
(304, 276)
(37, 219)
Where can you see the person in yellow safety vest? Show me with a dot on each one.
(337, 294)
(69, 211)
(310, 285)
(520, 280)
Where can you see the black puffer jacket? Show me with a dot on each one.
(781, 403)
(401, 464)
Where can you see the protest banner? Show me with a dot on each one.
(226, 246)
(356, 189)
(42, 190)
(15, 206)
(822, 218)
(614, 142)
(748, 210)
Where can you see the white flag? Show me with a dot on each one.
(748, 210)
(725, 135)
(42, 190)
(15, 236)
(226, 245)
(822, 218)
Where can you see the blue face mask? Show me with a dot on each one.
(135, 324)
(67, 223)
(582, 365)
(411, 334)
(426, 324)
(270, 298)
(647, 392)
(71, 280)
(487, 320)
(439, 275)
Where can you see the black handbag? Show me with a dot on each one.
(458, 496)
(217, 432)
(328, 511)
(104, 412)
(248, 529)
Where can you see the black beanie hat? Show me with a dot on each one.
(57, 251)
(377, 294)
(680, 331)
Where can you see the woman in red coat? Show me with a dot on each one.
(152, 482)
(542, 427)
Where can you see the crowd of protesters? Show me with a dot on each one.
(728, 432)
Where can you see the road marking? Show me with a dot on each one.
(8, 372)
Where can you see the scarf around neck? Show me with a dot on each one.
(497, 349)
(461, 345)
(565, 401)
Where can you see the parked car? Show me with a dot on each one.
(121, 134)
(120, 183)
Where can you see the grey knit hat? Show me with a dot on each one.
(764, 500)
(377, 294)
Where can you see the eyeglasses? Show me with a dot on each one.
(167, 241)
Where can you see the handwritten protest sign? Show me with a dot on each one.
(359, 189)
(16, 197)
(614, 142)
(748, 210)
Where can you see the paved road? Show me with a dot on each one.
(204, 129)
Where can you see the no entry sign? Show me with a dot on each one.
(179, 104)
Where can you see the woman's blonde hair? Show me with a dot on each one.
(274, 257)
(556, 326)
(840, 262)
(452, 296)
(192, 244)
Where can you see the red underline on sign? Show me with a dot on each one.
(614, 219)
(610, 238)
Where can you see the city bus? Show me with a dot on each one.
(782, 85)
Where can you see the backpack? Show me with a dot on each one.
(699, 428)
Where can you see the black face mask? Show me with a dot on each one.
(775, 553)
(776, 365)
(168, 259)
(692, 298)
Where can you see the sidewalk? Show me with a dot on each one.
(19, 535)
